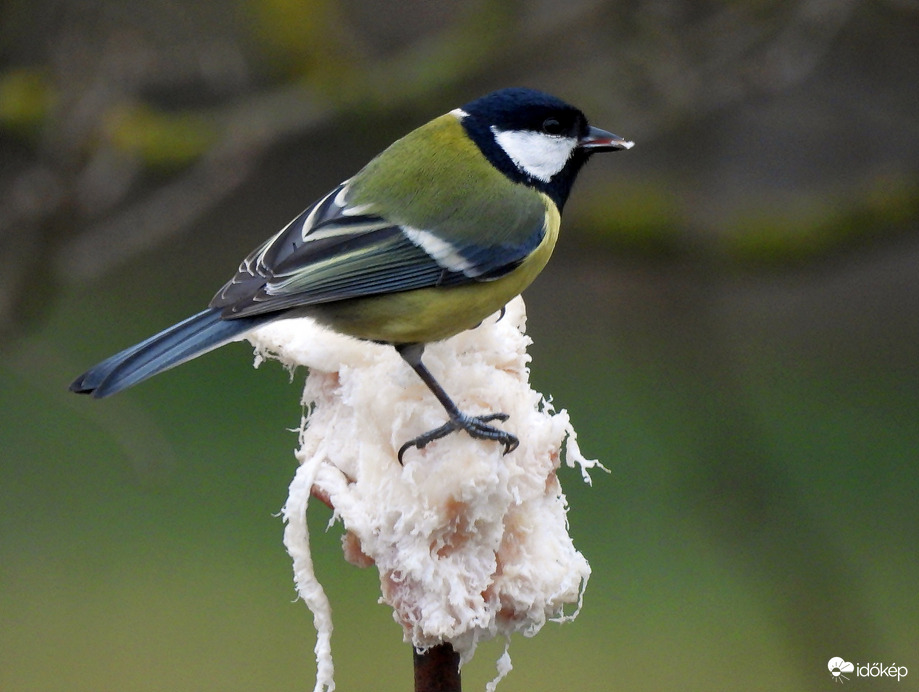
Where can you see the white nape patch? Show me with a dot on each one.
(459, 113)
(441, 251)
(534, 153)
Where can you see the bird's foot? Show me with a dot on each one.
(476, 426)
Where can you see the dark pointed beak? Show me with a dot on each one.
(600, 140)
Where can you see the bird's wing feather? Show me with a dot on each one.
(333, 251)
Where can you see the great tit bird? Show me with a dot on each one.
(437, 232)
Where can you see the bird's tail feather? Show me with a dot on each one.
(198, 334)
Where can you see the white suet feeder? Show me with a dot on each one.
(470, 544)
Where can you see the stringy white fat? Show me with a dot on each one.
(470, 544)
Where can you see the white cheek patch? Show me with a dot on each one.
(538, 155)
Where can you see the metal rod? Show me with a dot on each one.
(437, 669)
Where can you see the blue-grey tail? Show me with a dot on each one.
(181, 342)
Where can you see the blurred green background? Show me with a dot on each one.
(732, 320)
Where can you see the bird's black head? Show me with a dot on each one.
(534, 138)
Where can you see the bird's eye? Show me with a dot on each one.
(551, 126)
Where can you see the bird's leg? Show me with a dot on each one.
(476, 426)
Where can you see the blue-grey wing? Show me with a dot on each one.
(333, 251)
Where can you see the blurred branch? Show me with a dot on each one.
(695, 65)
(249, 129)
(762, 231)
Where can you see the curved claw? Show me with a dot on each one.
(476, 426)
